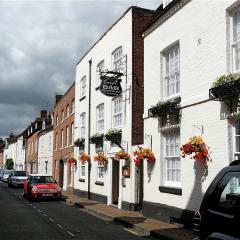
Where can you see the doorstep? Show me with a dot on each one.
(131, 219)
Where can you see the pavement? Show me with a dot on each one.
(134, 221)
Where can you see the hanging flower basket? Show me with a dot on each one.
(72, 161)
(96, 138)
(197, 148)
(100, 157)
(143, 153)
(113, 135)
(84, 157)
(80, 142)
(122, 155)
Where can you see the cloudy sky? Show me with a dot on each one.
(40, 44)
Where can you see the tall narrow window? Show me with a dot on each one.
(83, 125)
(67, 136)
(67, 111)
(100, 118)
(117, 112)
(56, 120)
(82, 170)
(236, 42)
(36, 146)
(172, 159)
(83, 87)
(72, 106)
(62, 116)
(117, 58)
(172, 71)
(56, 141)
(72, 134)
(100, 170)
(237, 140)
(62, 138)
(100, 68)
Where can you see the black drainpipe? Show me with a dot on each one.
(89, 124)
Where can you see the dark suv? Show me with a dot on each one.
(219, 214)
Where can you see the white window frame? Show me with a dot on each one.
(82, 170)
(235, 153)
(169, 53)
(235, 42)
(100, 171)
(72, 107)
(83, 87)
(100, 118)
(57, 120)
(61, 138)
(56, 141)
(117, 118)
(67, 136)
(83, 125)
(117, 58)
(36, 146)
(176, 157)
(100, 67)
(67, 111)
(62, 115)
(72, 134)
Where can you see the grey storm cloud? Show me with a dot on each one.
(40, 44)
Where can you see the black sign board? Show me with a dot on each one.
(110, 86)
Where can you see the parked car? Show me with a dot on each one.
(219, 214)
(1, 173)
(6, 175)
(41, 186)
(17, 178)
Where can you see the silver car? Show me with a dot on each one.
(6, 174)
(17, 178)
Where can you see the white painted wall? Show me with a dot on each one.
(12, 147)
(45, 152)
(119, 35)
(201, 29)
(20, 154)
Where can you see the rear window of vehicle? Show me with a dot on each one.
(20, 173)
(43, 179)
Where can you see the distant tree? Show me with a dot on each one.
(9, 163)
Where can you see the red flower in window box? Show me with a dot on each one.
(143, 153)
(100, 157)
(72, 161)
(84, 157)
(122, 155)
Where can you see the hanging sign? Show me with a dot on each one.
(110, 86)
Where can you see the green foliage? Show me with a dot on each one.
(160, 104)
(9, 164)
(223, 79)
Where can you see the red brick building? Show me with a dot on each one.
(63, 134)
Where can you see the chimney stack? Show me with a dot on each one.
(57, 98)
(43, 113)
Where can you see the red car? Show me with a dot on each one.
(41, 186)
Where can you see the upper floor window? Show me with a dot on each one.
(56, 120)
(172, 159)
(100, 68)
(117, 58)
(117, 112)
(56, 141)
(72, 106)
(172, 71)
(61, 140)
(166, 2)
(67, 111)
(83, 125)
(72, 134)
(236, 42)
(100, 118)
(62, 116)
(83, 87)
(67, 136)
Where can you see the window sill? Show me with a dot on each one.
(81, 180)
(170, 190)
(82, 98)
(97, 88)
(99, 183)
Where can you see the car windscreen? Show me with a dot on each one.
(20, 173)
(43, 179)
(8, 171)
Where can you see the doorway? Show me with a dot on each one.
(115, 182)
(61, 165)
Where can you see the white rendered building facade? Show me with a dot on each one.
(96, 113)
(188, 45)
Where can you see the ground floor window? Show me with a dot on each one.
(100, 170)
(82, 169)
(237, 140)
(172, 158)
